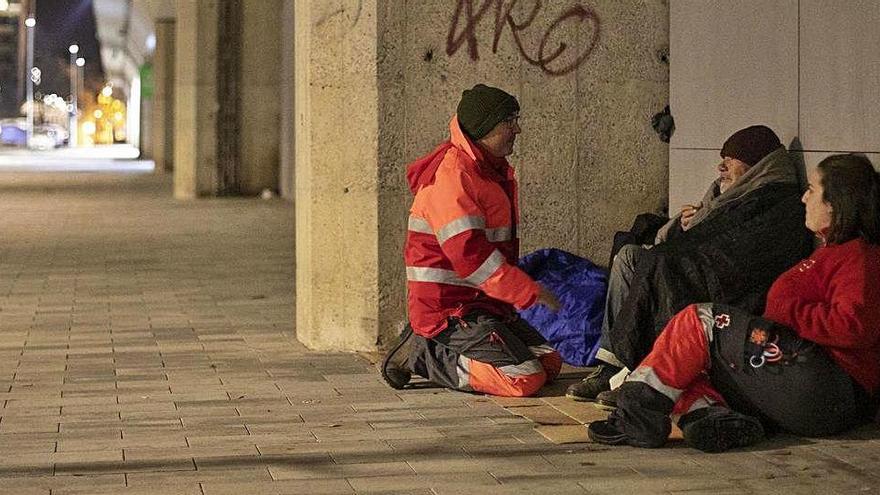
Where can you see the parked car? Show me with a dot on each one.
(13, 132)
(48, 136)
(42, 141)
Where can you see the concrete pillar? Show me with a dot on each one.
(341, 291)
(286, 146)
(162, 113)
(260, 94)
(195, 99)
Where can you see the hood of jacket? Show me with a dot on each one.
(421, 172)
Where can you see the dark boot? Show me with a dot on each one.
(717, 428)
(641, 418)
(395, 367)
(598, 381)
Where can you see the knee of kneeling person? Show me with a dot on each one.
(520, 380)
(525, 386)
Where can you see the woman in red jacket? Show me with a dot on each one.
(810, 365)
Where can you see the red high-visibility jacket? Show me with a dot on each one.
(461, 246)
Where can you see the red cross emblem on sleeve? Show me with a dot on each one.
(722, 320)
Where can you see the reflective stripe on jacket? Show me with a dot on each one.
(461, 245)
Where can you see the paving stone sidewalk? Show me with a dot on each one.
(147, 347)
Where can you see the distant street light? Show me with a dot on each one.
(80, 63)
(30, 22)
(74, 111)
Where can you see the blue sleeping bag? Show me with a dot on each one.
(580, 286)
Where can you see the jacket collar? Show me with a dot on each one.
(493, 167)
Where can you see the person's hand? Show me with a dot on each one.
(548, 299)
(687, 213)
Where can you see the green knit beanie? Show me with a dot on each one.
(482, 107)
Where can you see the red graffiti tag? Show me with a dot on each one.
(465, 11)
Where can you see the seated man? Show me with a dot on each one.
(461, 252)
(729, 248)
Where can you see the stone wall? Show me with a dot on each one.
(587, 159)
(589, 74)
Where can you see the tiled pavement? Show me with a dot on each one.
(147, 347)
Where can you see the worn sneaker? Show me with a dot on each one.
(607, 400)
(395, 370)
(716, 429)
(592, 385)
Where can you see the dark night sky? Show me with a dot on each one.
(61, 23)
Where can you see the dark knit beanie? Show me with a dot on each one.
(751, 144)
(482, 107)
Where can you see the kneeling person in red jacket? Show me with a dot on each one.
(461, 252)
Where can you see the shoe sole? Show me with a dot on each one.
(605, 405)
(578, 398)
(595, 434)
(391, 353)
(724, 433)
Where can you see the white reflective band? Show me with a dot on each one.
(458, 226)
(607, 356)
(420, 225)
(707, 318)
(646, 375)
(498, 234)
(489, 267)
(464, 373)
(540, 350)
(701, 403)
(525, 368)
(436, 275)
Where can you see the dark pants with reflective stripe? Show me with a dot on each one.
(482, 352)
(806, 394)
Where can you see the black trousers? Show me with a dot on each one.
(805, 393)
(483, 352)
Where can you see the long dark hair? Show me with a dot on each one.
(852, 187)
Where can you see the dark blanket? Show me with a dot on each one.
(732, 258)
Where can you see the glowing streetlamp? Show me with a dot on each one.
(74, 112)
(30, 22)
(80, 63)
